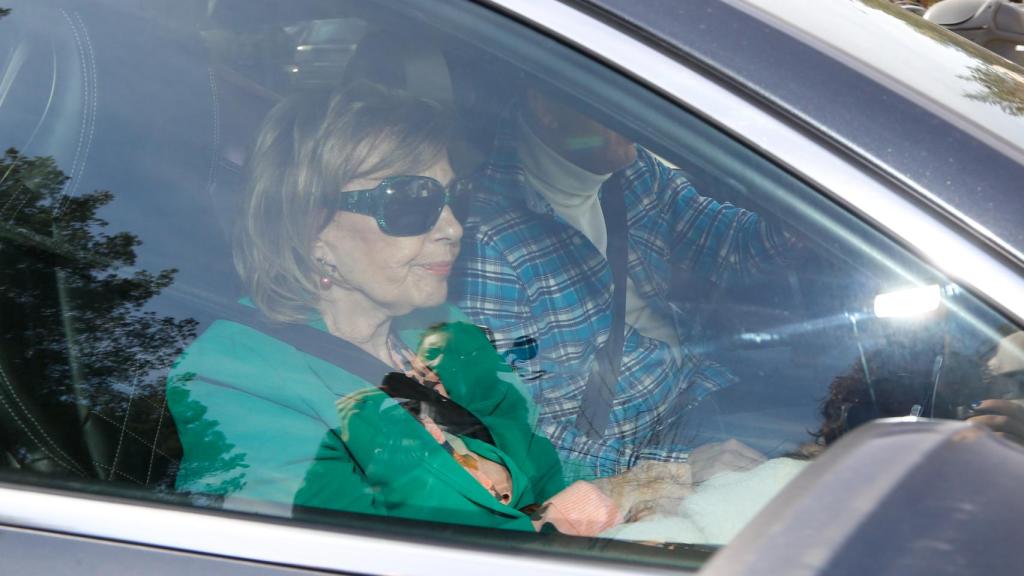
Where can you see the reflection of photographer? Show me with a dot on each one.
(925, 378)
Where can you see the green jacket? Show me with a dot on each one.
(259, 424)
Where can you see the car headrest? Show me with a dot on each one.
(412, 64)
(420, 66)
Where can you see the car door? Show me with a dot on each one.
(131, 128)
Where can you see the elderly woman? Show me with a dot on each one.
(344, 381)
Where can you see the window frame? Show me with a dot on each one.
(272, 541)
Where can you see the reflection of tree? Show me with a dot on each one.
(929, 29)
(72, 317)
(998, 85)
(219, 466)
(4, 12)
(1002, 88)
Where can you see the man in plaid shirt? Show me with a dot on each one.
(533, 266)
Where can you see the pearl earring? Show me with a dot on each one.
(325, 274)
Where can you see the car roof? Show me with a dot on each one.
(941, 116)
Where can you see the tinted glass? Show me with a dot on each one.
(638, 335)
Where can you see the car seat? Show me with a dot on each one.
(474, 86)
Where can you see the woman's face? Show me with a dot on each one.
(393, 274)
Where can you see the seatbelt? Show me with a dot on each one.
(599, 394)
(347, 356)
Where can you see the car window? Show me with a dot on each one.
(393, 265)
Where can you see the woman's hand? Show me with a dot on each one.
(1004, 417)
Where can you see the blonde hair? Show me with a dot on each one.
(309, 147)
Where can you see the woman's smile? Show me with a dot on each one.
(440, 267)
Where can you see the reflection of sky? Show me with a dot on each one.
(124, 105)
(893, 47)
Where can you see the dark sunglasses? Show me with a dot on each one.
(407, 205)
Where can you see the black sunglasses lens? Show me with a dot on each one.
(412, 207)
(460, 196)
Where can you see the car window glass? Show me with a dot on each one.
(389, 265)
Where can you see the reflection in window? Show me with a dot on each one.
(81, 357)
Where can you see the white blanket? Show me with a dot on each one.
(718, 509)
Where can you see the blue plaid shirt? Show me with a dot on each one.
(523, 271)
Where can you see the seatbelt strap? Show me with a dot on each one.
(354, 360)
(599, 394)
